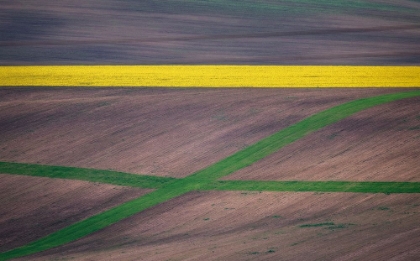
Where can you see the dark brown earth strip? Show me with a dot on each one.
(328, 31)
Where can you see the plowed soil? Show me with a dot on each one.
(378, 144)
(35, 207)
(163, 132)
(259, 226)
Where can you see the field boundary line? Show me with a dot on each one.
(223, 76)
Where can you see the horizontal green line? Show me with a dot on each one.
(316, 186)
(93, 175)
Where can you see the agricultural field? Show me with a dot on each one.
(146, 170)
(188, 211)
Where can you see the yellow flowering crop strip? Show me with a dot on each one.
(210, 76)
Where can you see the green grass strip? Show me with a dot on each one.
(93, 175)
(207, 177)
(316, 186)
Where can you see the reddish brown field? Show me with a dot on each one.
(259, 226)
(378, 144)
(32, 207)
(174, 132)
(164, 132)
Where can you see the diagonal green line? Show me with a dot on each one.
(316, 186)
(207, 177)
(93, 175)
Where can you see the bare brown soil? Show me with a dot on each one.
(32, 207)
(164, 132)
(259, 226)
(378, 144)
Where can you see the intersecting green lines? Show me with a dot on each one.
(207, 178)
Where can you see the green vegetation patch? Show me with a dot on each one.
(93, 175)
(327, 225)
(318, 224)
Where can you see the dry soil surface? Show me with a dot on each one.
(378, 144)
(33, 207)
(164, 132)
(259, 226)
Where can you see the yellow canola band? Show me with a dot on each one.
(210, 76)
